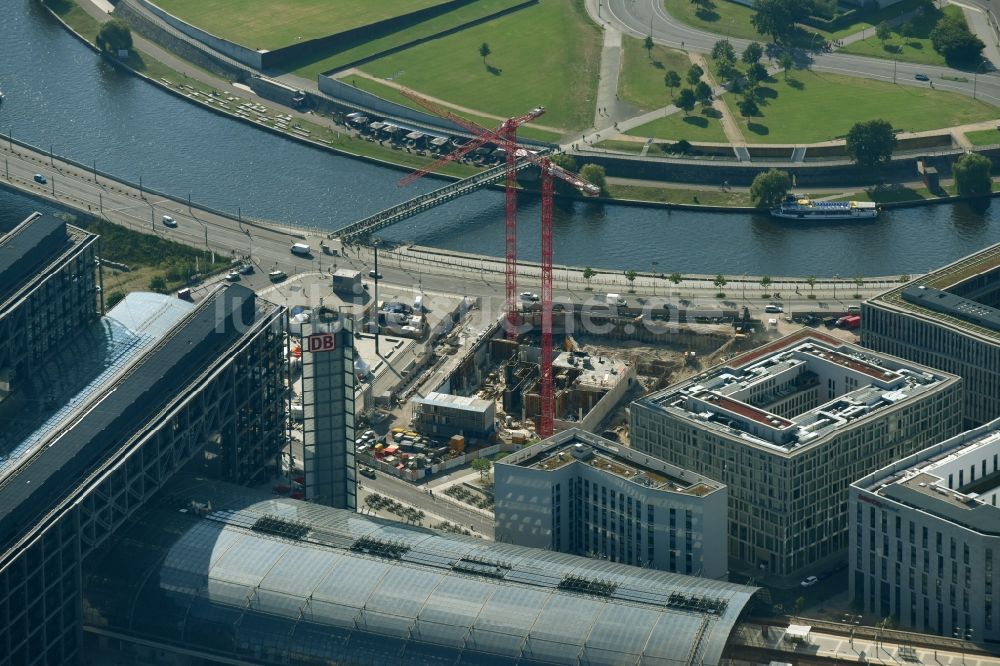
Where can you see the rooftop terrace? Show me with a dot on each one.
(944, 279)
(574, 445)
(796, 391)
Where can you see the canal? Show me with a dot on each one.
(60, 94)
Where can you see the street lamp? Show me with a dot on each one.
(975, 76)
(836, 277)
(744, 286)
(654, 276)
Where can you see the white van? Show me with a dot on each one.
(301, 249)
(418, 304)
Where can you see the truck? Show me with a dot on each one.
(850, 322)
(615, 300)
(301, 249)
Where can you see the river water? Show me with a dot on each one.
(60, 94)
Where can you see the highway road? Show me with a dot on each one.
(634, 17)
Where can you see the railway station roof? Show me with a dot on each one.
(276, 579)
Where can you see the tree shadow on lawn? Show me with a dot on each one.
(711, 113)
(658, 65)
(764, 93)
(795, 84)
(757, 128)
(697, 121)
(892, 48)
(495, 71)
(707, 15)
(917, 46)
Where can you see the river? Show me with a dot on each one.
(60, 94)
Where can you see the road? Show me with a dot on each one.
(634, 18)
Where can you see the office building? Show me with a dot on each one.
(328, 384)
(579, 493)
(104, 420)
(268, 580)
(787, 427)
(47, 290)
(444, 415)
(925, 537)
(949, 320)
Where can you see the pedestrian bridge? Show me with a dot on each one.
(419, 204)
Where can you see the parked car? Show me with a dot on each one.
(921, 77)
(246, 269)
(169, 221)
(809, 581)
(39, 178)
(773, 307)
(275, 276)
(368, 472)
(233, 276)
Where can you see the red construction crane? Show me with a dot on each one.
(504, 136)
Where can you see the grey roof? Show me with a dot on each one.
(123, 408)
(953, 305)
(25, 249)
(226, 584)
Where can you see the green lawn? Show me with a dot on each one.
(681, 195)
(77, 19)
(642, 73)
(271, 24)
(393, 95)
(346, 52)
(864, 19)
(701, 126)
(718, 16)
(621, 146)
(988, 137)
(917, 48)
(547, 54)
(793, 107)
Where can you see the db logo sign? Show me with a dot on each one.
(321, 342)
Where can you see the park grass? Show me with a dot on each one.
(642, 73)
(622, 146)
(864, 19)
(990, 137)
(346, 52)
(272, 24)
(393, 95)
(717, 16)
(547, 54)
(791, 108)
(917, 49)
(73, 15)
(703, 125)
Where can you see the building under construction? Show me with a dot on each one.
(586, 387)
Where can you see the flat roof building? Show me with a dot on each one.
(579, 493)
(276, 581)
(444, 415)
(105, 420)
(787, 427)
(925, 538)
(48, 289)
(948, 319)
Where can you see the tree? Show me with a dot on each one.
(115, 297)
(756, 73)
(748, 106)
(648, 45)
(686, 100)
(753, 53)
(114, 36)
(723, 50)
(588, 275)
(726, 69)
(800, 603)
(676, 278)
(904, 278)
(770, 187)
(671, 79)
(883, 32)
(484, 51)
(703, 92)
(952, 39)
(811, 281)
(776, 18)
(482, 465)
(859, 284)
(694, 74)
(765, 282)
(158, 284)
(720, 281)
(631, 275)
(908, 29)
(972, 175)
(787, 62)
(871, 143)
(594, 174)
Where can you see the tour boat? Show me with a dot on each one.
(797, 207)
